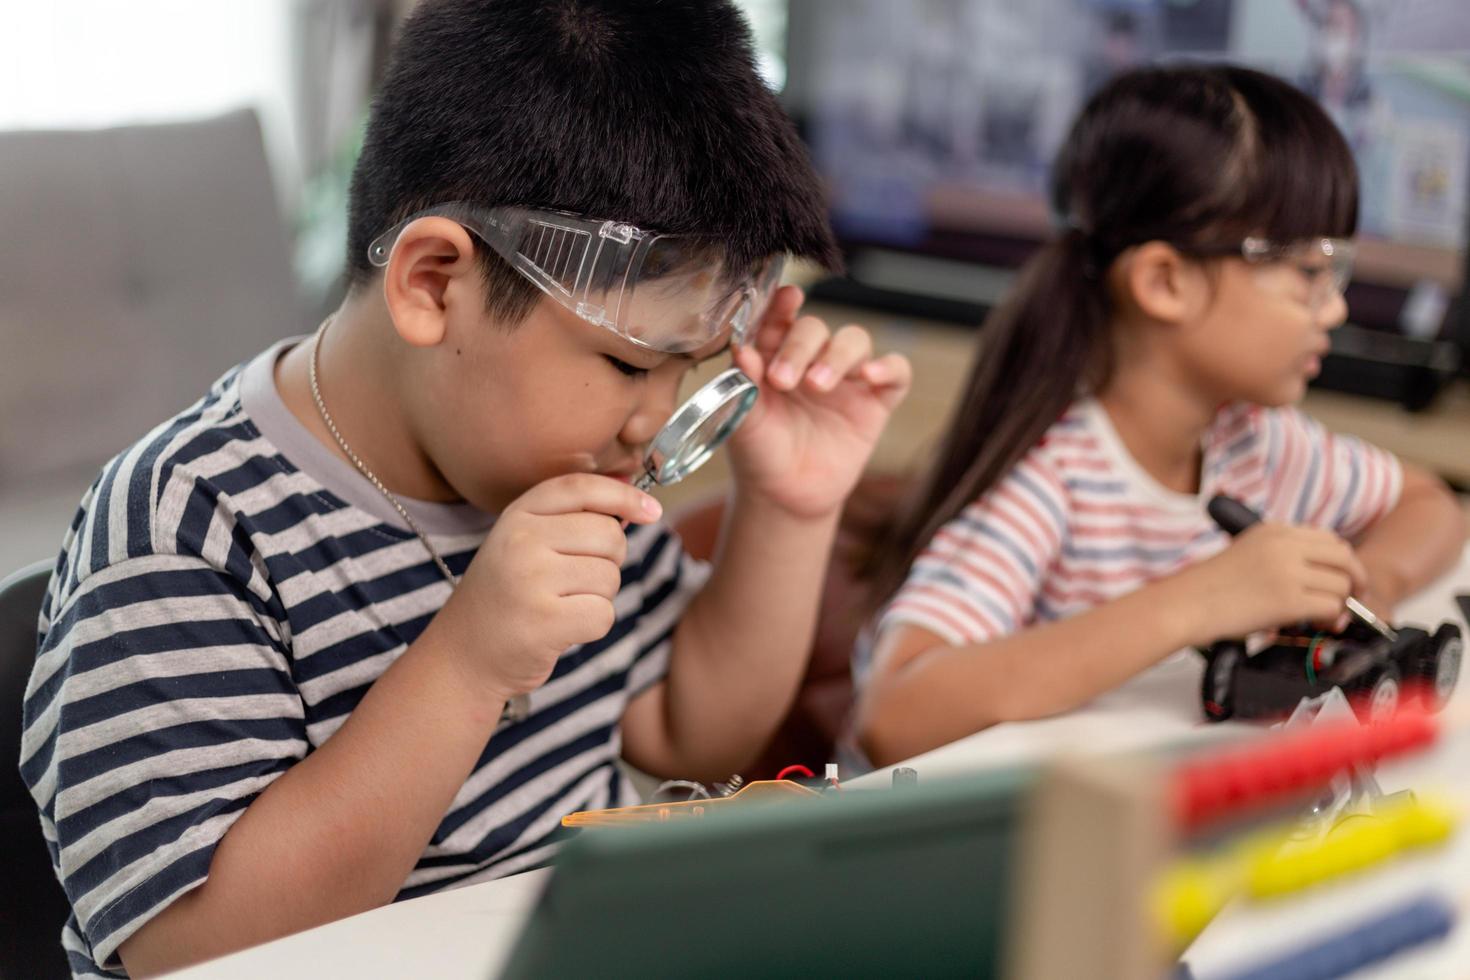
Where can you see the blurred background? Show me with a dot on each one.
(173, 190)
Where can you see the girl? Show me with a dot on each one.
(1148, 360)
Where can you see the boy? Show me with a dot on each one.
(291, 668)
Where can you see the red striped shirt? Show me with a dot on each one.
(1079, 523)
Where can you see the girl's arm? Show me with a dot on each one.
(1414, 543)
(925, 692)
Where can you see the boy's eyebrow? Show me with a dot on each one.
(699, 360)
(633, 351)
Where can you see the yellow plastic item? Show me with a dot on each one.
(758, 793)
(1191, 894)
(1193, 891)
(1356, 843)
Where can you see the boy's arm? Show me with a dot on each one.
(340, 830)
(740, 649)
(1415, 542)
(743, 644)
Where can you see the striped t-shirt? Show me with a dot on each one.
(228, 592)
(1078, 522)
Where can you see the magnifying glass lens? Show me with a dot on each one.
(699, 427)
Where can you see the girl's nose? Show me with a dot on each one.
(1332, 312)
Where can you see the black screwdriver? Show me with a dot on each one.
(1234, 517)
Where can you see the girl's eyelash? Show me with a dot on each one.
(631, 370)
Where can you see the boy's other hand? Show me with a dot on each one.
(544, 580)
(1275, 575)
(824, 402)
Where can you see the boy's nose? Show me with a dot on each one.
(653, 410)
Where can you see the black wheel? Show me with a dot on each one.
(1378, 698)
(1438, 667)
(1217, 688)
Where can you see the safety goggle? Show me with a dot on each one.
(1325, 263)
(667, 293)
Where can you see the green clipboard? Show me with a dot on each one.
(901, 881)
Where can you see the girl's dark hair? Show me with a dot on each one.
(1193, 155)
(644, 111)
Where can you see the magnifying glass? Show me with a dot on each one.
(699, 427)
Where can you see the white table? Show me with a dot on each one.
(469, 932)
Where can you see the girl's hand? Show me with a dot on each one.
(1274, 575)
(824, 402)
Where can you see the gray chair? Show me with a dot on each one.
(32, 904)
(141, 263)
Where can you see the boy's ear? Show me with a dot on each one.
(1160, 283)
(432, 263)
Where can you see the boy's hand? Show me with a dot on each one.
(1274, 575)
(544, 580)
(824, 401)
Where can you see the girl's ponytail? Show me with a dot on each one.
(1037, 350)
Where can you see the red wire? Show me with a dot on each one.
(803, 770)
(1317, 645)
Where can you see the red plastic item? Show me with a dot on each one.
(1283, 766)
(798, 769)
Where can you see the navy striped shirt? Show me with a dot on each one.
(228, 592)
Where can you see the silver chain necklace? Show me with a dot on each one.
(321, 407)
(517, 707)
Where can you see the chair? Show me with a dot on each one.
(32, 905)
(141, 263)
(809, 732)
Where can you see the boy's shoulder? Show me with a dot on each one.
(161, 495)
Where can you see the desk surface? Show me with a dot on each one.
(468, 932)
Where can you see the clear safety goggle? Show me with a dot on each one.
(1325, 263)
(667, 293)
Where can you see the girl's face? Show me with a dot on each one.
(1264, 335)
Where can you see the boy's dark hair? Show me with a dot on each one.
(649, 112)
(1198, 156)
